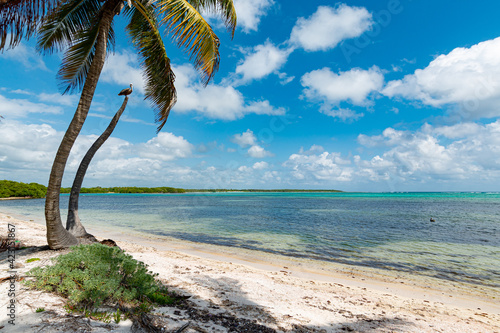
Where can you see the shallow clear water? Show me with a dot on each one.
(389, 231)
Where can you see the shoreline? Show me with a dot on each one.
(18, 198)
(360, 276)
(299, 267)
(326, 295)
(402, 283)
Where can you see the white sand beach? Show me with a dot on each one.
(239, 291)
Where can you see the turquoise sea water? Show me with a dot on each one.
(388, 231)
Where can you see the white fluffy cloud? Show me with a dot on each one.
(262, 61)
(328, 26)
(244, 139)
(325, 166)
(354, 87)
(126, 170)
(467, 78)
(257, 151)
(463, 155)
(315, 149)
(248, 139)
(166, 147)
(260, 165)
(419, 156)
(19, 108)
(212, 101)
(460, 156)
(122, 69)
(26, 55)
(215, 101)
(30, 150)
(462, 151)
(27, 147)
(66, 100)
(263, 107)
(250, 12)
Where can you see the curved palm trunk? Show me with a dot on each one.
(73, 224)
(57, 236)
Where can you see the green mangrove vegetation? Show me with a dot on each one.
(127, 189)
(260, 190)
(178, 190)
(12, 189)
(9, 189)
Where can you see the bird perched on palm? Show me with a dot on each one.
(126, 91)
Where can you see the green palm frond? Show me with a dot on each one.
(224, 7)
(78, 58)
(65, 22)
(19, 18)
(144, 32)
(190, 31)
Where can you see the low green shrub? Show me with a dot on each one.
(94, 275)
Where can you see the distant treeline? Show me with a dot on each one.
(174, 190)
(33, 190)
(11, 189)
(257, 190)
(126, 190)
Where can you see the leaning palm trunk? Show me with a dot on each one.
(57, 236)
(73, 224)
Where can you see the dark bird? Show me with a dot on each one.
(432, 220)
(126, 92)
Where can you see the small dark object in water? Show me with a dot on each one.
(432, 220)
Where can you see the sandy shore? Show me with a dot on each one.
(243, 291)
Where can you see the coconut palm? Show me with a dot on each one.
(85, 29)
(19, 18)
(73, 223)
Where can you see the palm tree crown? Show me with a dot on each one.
(84, 29)
(75, 24)
(19, 18)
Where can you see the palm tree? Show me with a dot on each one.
(19, 18)
(73, 223)
(85, 29)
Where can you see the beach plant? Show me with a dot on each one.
(117, 316)
(91, 276)
(84, 29)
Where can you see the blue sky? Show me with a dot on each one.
(393, 95)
